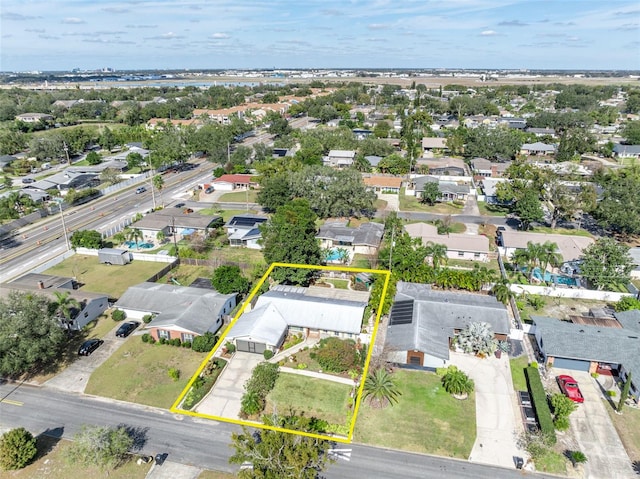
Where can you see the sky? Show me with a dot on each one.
(243, 34)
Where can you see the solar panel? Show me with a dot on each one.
(242, 221)
(402, 312)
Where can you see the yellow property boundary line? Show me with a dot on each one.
(174, 408)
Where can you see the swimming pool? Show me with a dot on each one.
(335, 255)
(552, 278)
(132, 244)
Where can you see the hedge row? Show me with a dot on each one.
(541, 405)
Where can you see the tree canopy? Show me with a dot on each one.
(619, 208)
(290, 237)
(102, 446)
(30, 335)
(606, 262)
(228, 279)
(17, 449)
(86, 239)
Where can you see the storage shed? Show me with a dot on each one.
(114, 256)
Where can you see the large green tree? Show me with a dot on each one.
(290, 237)
(496, 144)
(102, 446)
(619, 208)
(528, 209)
(86, 239)
(30, 335)
(17, 449)
(228, 279)
(631, 132)
(280, 455)
(606, 262)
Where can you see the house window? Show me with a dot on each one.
(163, 333)
(476, 255)
(186, 337)
(460, 253)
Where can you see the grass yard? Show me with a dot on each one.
(360, 261)
(239, 197)
(561, 231)
(138, 372)
(216, 475)
(51, 463)
(411, 203)
(338, 283)
(560, 308)
(466, 263)
(517, 366)
(426, 419)
(185, 274)
(380, 204)
(628, 426)
(103, 278)
(492, 210)
(315, 397)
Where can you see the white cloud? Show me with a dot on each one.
(377, 26)
(73, 21)
(488, 33)
(220, 35)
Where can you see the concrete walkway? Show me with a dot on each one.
(173, 470)
(317, 375)
(224, 398)
(294, 349)
(76, 376)
(595, 433)
(498, 421)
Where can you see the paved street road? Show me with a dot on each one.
(205, 443)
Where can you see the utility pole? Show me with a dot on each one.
(173, 229)
(65, 147)
(64, 227)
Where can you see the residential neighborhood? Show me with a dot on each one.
(439, 271)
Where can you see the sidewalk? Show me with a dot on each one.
(173, 470)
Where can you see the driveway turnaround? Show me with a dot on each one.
(76, 377)
(595, 433)
(498, 421)
(224, 398)
(173, 470)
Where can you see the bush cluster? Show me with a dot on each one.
(118, 315)
(262, 381)
(147, 338)
(337, 355)
(174, 373)
(540, 404)
(204, 343)
(147, 318)
(203, 383)
(268, 354)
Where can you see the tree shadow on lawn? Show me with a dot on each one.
(47, 441)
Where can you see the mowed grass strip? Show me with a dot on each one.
(426, 419)
(239, 197)
(138, 372)
(315, 397)
(52, 464)
(103, 278)
(628, 426)
(517, 366)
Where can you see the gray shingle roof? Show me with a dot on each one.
(369, 234)
(437, 313)
(194, 309)
(593, 343)
(263, 324)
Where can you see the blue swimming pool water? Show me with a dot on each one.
(333, 255)
(132, 244)
(552, 278)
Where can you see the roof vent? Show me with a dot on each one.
(582, 330)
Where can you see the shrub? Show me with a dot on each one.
(561, 423)
(146, 337)
(337, 355)
(611, 393)
(118, 315)
(302, 366)
(562, 405)
(186, 344)
(263, 379)
(540, 404)
(577, 457)
(231, 348)
(162, 341)
(174, 373)
(268, 354)
(147, 318)
(175, 342)
(17, 449)
(457, 382)
(204, 343)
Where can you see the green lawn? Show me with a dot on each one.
(426, 419)
(561, 231)
(51, 463)
(185, 274)
(628, 426)
(338, 283)
(466, 263)
(411, 203)
(492, 210)
(102, 278)
(239, 197)
(138, 372)
(315, 397)
(360, 261)
(517, 372)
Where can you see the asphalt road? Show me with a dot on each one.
(204, 443)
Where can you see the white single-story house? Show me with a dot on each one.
(626, 151)
(489, 186)
(423, 322)
(570, 247)
(485, 168)
(234, 182)
(365, 239)
(33, 117)
(91, 305)
(339, 158)
(244, 231)
(314, 312)
(537, 148)
(431, 144)
(449, 190)
(387, 184)
(174, 220)
(459, 246)
(181, 312)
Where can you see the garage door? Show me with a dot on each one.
(251, 347)
(574, 364)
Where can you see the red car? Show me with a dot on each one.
(569, 388)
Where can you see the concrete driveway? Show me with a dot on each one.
(173, 470)
(76, 376)
(224, 398)
(595, 433)
(498, 420)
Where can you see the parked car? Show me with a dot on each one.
(179, 205)
(140, 189)
(126, 329)
(26, 181)
(89, 346)
(570, 388)
(209, 190)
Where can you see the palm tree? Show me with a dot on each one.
(502, 291)
(64, 303)
(520, 258)
(161, 236)
(534, 252)
(251, 403)
(457, 383)
(381, 389)
(438, 254)
(482, 275)
(135, 235)
(158, 183)
(550, 255)
(119, 238)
